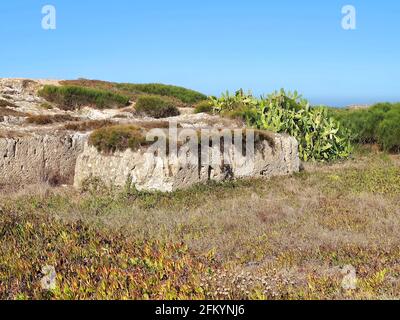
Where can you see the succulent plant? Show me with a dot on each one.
(320, 137)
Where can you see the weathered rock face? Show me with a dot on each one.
(32, 153)
(148, 172)
(34, 159)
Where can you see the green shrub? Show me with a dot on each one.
(320, 137)
(117, 138)
(377, 124)
(183, 94)
(74, 97)
(388, 132)
(156, 107)
(6, 112)
(384, 106)
(203, 107)
(363, 124)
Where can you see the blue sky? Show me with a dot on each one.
(211, 46)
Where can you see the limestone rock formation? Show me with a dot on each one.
(148, 172)
(33, 159)
(52, 152)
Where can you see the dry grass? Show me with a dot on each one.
(285, 238)
(11, 133)
(90, 125)
(75, 97)
(148, 125)
(180, 97)
(50, 119)
(7, 112)
(6, 103)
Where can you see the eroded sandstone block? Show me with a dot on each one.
(148, 172)
(35, 158)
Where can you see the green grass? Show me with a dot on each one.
(388, 132)
(377, 124)
(74, 97)
(181, 97)
(319, 136)
(183, 94)
(90, 125)
(46, 106)
(156, 107)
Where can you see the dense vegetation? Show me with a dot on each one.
(156, 107)
(183, 94)
(181, 97)
(378, 124)
(320, 137)
(74, 97)
(7, 112)
(110, 139)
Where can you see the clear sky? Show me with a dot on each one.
(211, 45)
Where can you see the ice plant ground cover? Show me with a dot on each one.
(289, 238)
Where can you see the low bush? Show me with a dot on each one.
(388, 132)
(95, 84)
(118, 138)
(362, 123)
(378, 124)
(183, 94)
(204, 107)
(74, 97)
(320, 137)
(181, 97)
(156, 107)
